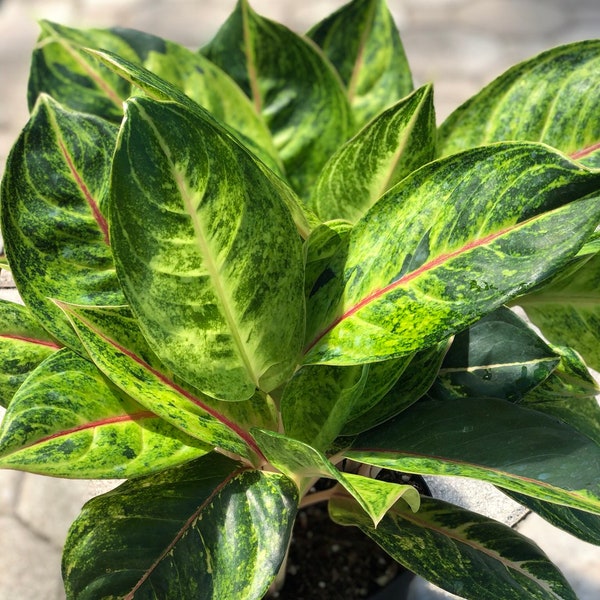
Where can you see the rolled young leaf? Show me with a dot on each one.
(388, 148)
(452, 241)
(289, 82)
(24, 344)
(66, 420)
(489, 439)
(461, 551)
(362, 42)
(539, 99)
(54, 214)
(209, 530)
(207, 252)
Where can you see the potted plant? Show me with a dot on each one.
(257, 277)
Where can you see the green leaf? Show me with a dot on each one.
(290, 82)
(61, 68)
(451, 242)
(415, 375)
(66, 420)
(53, 214)
(581, 524)
(207, 253)
(539, 99)
(461, 551)
(301, 463)
(489, 439)
(318, 400)
(115, 344)
(396, 142)
(362, 42)
(567, 310)
(209, 530)
(569, 394)
(499, 356)
(24, 344)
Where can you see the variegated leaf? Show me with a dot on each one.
(54, 224)
(489, 439)
(461, 551)
(499, 356)
(396, 142)
(451, 242)
(302, 463)
(289, 81)
(209, 530)
(62, 69)
(362, 42)
(114, 342)
(66, 420)
(24, 344)
(207, 252)
(539, 99)
(567, 310)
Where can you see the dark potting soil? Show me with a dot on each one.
(328, 561)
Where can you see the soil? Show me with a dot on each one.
(328, 561)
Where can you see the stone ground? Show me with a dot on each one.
(459, 45)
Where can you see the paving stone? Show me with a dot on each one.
(10, 482)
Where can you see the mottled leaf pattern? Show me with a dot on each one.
(499, 356)
(318, 400)
(61, 68)
(461, 551)
(54, 225)
(396, 142)
(362, 42)
(209, 530)
(302, 463)
(24, 344)
(567, 311)
(66, 420)
(490, 439)
(290, 82)
(451, 242)
(207, 253)
(116, 346)
(551, 98)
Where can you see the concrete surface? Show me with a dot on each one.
(460, 45)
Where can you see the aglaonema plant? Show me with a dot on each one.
(259, 265)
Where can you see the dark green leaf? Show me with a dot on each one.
(450, 243)
(581, 524)
(396, 142)
(24, 344)
(210, 530)
(461, 551)
(66, 420)
(54, 224)
(490, 439)
(551, 98)
(569, 394)
(362, 42)
(200, 234)
(567, 310)
(289, 82)
(499, 356)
